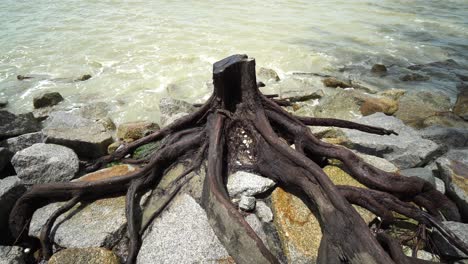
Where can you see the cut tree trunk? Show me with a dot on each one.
(210, 134)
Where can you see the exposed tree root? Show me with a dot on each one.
(237, 102)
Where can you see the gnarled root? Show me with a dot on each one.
(237, 101)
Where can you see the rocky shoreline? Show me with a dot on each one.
(52, 144)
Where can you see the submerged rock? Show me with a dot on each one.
(182, 234)
(47, 99)
(461, 105)
(414, 77)
(245, 183)
(335, 83)
(379, 69)
(97, 224)
(445, 119)
(12, 125)
(267, 74)
(84, 256)
(44, 163)
(407, 150)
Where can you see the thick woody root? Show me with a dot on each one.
(237, 100)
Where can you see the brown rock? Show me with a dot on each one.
(84, 256)
(394, 94)
(113, 171)
(374, 105)
(334, 83)
(47, 99)
(414, 77)
(461, 105)
(379, 69)
(136, 130)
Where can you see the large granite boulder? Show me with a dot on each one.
(87, 136)
(43, 163)
(93, 255)
(173, 109)
(407, 150)
(97, 224)
(423, 173)
(447, 136)
(415, 107)
(18, 143)
(182, 234)
(12, 125)
(453, 170)
(11, 188)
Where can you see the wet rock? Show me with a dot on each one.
(407, 150)
(245, 183)
(43, 163)
(453, 170)
(423, 173)
(267, 74)
(444, 247)
(394, 94)
(374, 105)
(95, 111)
(12, 125)
(136, 130)
(461, 105)
(414, 77)
(3, 102)
(345, 104)
(182, 234)
(263, 212)
(447, 136)
(47, 99)
(335, 83)
(87, 137)
(299, 231)
(172, 109)
(415, 107)
(12, 255)
(379, 69)
(445, 119)
(11, 188)
(18, 143)
(84, 256)
(97, 224)
(247, 203)
(443, 70)
(84, 78)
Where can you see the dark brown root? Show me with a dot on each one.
(236, 101)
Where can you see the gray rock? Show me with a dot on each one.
(11, 189)
(415, 107)
(414, 77)
(245, 183)
(43, 163)
(407, 150)
(172, 109)
(12, 255)
(14, 125)
(181, 234)
(263, 212)
(87, 137)
(5, 157)
(95, 111)
(266, 74)
(3, 102)
(377, 162)
(379, 69)
(423, 173)
(453, 170)
(18, 143)
(257, 226)
(247, 203)
(440, 185)
(345, 104)
(98, 224)
(444, 247)
(47, 99)
(448, 136)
